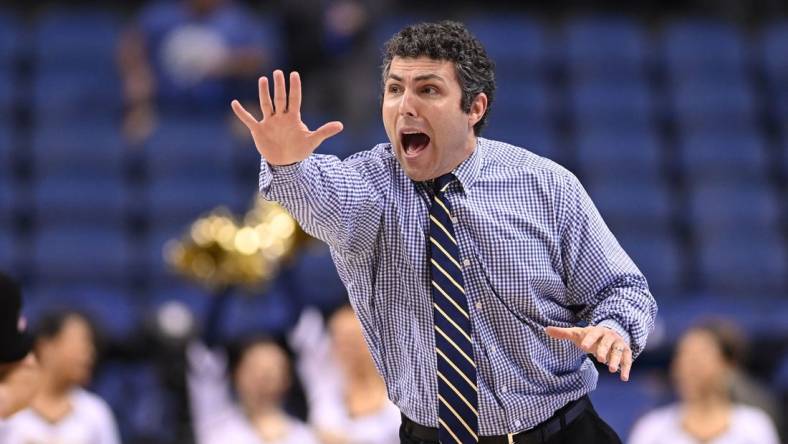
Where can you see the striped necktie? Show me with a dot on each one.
(458, 413)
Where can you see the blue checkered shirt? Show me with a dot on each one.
(535, 252)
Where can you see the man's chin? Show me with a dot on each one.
(415, 174)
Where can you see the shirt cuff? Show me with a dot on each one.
(616, 327)
(285, 177)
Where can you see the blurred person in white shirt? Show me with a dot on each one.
(63, 411)
(347, 398)
(702, 371)
(251, 409)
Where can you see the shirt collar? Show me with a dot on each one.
(468, 171)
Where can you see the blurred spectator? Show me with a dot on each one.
(261, 380)
(19, 372)
(241, 400)
(702, 370)
(331, 43)
(348, 402)
(62, 411)
(187, 54)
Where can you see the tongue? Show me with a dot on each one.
(416, 142)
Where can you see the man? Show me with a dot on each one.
(472, 264)
(19, 372)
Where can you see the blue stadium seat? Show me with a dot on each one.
(752, 264)
(761, 315)
(198, 148)
(87, 148)
(391, 24)
(784, 151)
(10, 38)
(614, 154)
(75, 65)
(704, 48)
(516, 43)
(85, 255)
(7, 94)
(774, 57)
(76, 38)
(522, 99)
(273, 311)
(314, 277)
(73, 200)
(721, 155)
(8, 246)
(609, 48)
(622, 404)
(658, 257)
(703, 105)
(536, 136)
(114, 312)
(623, 105)
(7, 200)
(178, 202)
(143, 408)
(72, 96)
(629, 207)
(780, 376)
(6, 147)
(734, 209)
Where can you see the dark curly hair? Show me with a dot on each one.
(448, 40)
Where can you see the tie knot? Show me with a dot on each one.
(443, 181)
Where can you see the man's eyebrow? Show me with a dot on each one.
(428, 77)
(418, 78)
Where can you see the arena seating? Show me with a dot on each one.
(678, 131)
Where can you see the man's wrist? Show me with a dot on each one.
(616, 327)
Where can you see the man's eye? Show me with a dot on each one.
(431, 90)
(394, 89)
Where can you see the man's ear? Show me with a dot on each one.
(478, 108)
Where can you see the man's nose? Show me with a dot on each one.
(407, 106)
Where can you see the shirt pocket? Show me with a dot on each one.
(519, 261)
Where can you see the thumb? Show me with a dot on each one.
(571, 333)
(330, 129)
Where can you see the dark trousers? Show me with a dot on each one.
(588, 428)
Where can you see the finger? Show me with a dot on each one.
(243, 115)
(626, 364)
(573, 334)
(280, 93)
(591, 339)
(616, 353)
(330, 129)
(294, 98)
(265, 97)
(603, 349)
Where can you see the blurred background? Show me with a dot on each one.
(116, 134)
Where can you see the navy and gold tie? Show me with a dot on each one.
(458, 412)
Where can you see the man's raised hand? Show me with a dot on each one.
(281, 137)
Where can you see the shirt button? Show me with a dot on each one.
(454, 220)
(478, 305)
(466, 262)
(503, 389)
(517, 423)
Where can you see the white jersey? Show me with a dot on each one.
(217, 418)
(90, 421)
(748, 425)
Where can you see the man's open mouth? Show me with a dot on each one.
(414, 142)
